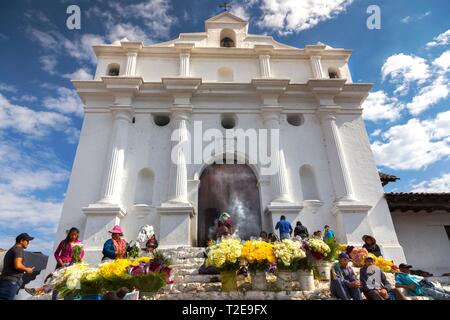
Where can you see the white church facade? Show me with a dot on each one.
(223, 78)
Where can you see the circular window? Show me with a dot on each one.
(228, 121)
(295, 120)
(161, 120)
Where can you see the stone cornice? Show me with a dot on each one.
(217, 52)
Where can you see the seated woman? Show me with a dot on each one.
(64, 253)
(370, 244)
(116, 247)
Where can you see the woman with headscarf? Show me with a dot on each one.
(116, 247)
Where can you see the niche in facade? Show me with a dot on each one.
(308, 181)
(295, 120)
(333, 73)
(228, 121)
(161, 120)
(144, 187)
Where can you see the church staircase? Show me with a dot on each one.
(190, 285)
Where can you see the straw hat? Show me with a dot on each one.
(366, 236)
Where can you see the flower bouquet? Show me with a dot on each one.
(259, 255)
(358, 255)
(385, 265)
(225, 257)
(288, 254)
(77, 249)
(317, 248)
(68, 280)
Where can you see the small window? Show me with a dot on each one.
(333, 73)
(113, 70)
(228, 121)
(295, 120)
(161, 120)
(447, 229)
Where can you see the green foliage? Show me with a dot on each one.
(334, 253)
(304, 264)
(158, 255)
(134, 252)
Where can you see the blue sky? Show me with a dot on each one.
(407, 114)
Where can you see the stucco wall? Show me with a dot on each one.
(424, 240)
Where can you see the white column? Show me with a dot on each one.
(264, 63)
(279, 180)
(130, 69)
(185, 64)
(341, 176)
(178, 170)
(112, 184)
(316, 66)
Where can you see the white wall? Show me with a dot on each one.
(424, 240)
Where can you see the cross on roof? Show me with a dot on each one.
(226, 6)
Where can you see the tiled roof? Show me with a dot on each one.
(415, 202)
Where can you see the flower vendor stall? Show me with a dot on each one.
(225, 256)
(287, 252)
(258, 255)
(145, 274)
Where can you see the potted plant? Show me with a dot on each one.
(225, 257)
(287, 252)
(258, 255)
(319, 250)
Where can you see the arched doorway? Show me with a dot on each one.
(232, 188)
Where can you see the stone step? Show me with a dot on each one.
(245, 295)
(197, 261)
(181, 271)
(201, 278)
(193, 287)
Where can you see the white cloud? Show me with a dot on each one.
(48, 63)
(443, 62)
(80, 74)
(129, 31)
(437, 184)
(376, 133)
(26, 98)
(441, 40)
(7, 88)
(28, 121)
(153, 13)
(378, 106)
(292, 16)
(414, 145)
(26, 180)
(67, 101)
(404, 69)
(81, 48)
(406, 19)
(429, 96)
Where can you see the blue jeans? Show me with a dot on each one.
(284, 236)
(436, 293)
(8, 290)
(339, 290)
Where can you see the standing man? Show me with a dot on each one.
(14, 268)
(329, 233)
(284, 227)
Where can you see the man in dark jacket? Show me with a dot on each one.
(301, 231)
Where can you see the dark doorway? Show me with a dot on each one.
(232, 188)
